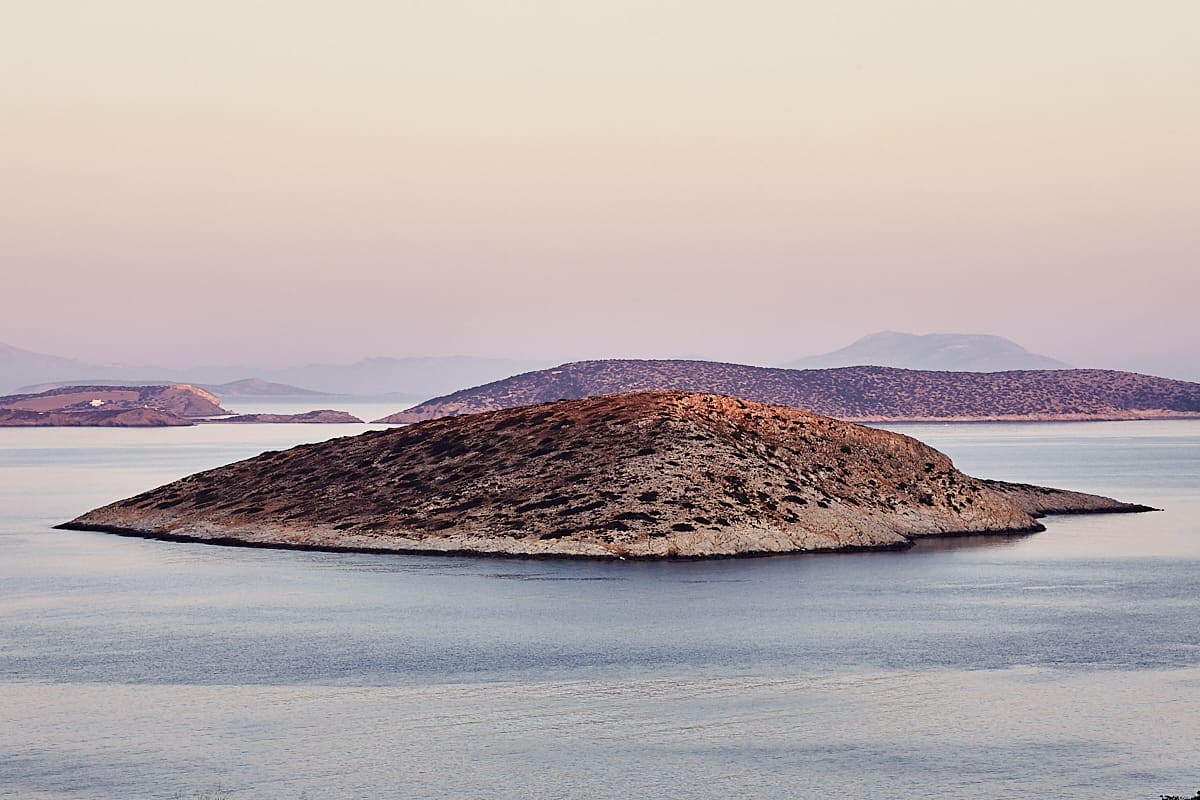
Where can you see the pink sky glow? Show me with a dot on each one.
(284, 182)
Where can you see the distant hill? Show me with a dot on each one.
(854, 393)
(954, 352)
(21, 367)
(256, 387)
(411, 377)
(246, 387)
(415, 378)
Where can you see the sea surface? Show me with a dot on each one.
(1064, 664)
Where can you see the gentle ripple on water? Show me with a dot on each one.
(1065, 664)
(1024, 732)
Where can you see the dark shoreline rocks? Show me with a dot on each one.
(1042, 501)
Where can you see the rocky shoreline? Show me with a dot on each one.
(230, 541)
(1042, 501)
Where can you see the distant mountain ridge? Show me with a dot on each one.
(256, 387)
(247, 387)
(852, 393)
(953, 352)
(19, 368)
(415, 377)
(420, 376)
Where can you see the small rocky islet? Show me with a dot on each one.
(636, 475)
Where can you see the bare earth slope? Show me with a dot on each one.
(855, 393)
(655, 474)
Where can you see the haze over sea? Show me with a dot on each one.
(1063, 664)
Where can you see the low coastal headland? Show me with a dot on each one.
(633, 475)
(169, 405)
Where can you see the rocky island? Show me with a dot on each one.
(324, 416)
(864, 394)
(179, 399)
(638, 475)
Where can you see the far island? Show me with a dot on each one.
(861, 394)
(324, 416)
(169, 405)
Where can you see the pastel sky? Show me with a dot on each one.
(285, 181)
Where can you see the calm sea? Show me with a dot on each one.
(1064, 664)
